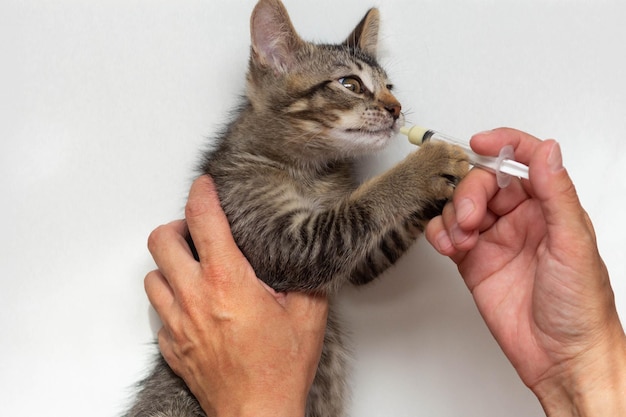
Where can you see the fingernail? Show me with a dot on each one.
(458, 235)
(443, 241)
(555, 158)
(464, 209)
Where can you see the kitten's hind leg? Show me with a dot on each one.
(328, 394)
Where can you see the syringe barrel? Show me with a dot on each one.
(486, 162)
(503, 165)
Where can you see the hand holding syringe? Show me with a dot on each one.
(504, 166)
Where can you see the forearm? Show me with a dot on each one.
(594, 388)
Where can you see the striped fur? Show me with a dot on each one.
(284, 173)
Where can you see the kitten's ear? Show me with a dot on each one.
(365, 35)
(274, 40)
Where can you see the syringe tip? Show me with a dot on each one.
(414, 133)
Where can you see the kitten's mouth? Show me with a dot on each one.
(363, 139)
(387, 130)
(391, 130)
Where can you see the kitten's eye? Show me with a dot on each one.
(352, 83)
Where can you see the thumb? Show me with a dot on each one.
(553, 187)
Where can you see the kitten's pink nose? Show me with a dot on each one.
(390, 103)
(394, 109)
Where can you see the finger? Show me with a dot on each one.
(491, 142)
(507, 199)
(437, 235)
(169, 249)
(164, 340)
(159, 292)
(489, 220)
(552, 186)
(208, 225)
(461, 239)
(471, 198)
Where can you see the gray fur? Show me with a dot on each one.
(284, 173)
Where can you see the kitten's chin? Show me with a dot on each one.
(362, 141)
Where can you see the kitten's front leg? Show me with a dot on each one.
(417, 189)
(417, 185)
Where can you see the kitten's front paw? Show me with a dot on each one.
(445, 165)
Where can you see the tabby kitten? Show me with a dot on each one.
(284, 174)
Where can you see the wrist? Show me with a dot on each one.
(285, 407)
(278, 411)
(593, 387)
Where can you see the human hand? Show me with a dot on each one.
(528, 255)
(241, 348)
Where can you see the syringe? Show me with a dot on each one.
(504, 166)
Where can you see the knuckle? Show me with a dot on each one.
(150, 279)
(219, 276)
(195, 208)
(156, 237)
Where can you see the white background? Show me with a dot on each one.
(104, 107)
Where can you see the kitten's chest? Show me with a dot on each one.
(330, 188)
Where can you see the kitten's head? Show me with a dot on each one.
(333, 98)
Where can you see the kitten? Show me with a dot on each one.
(284, 173)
